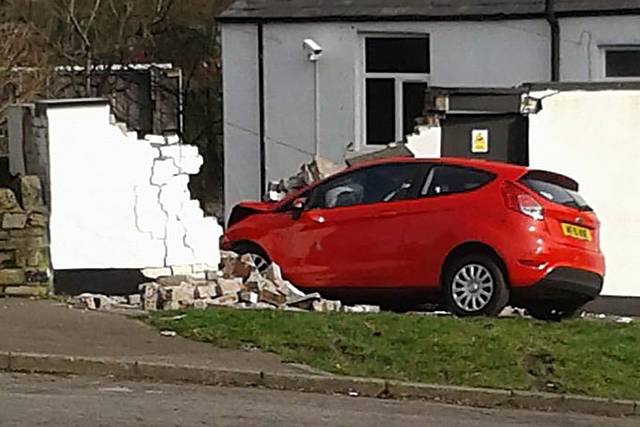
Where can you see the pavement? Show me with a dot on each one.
(55, 401)
(50, 327)
(49, 337)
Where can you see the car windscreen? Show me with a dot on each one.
(557, 194)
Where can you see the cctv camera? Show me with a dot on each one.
(314, 49)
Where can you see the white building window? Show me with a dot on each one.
(622, 61)
(396, 76)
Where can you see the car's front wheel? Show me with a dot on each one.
(475, 285)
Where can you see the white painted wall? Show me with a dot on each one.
(593, 137)
(583, 39)
(118, 202)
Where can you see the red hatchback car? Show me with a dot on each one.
(471, 234)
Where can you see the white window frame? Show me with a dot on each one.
(617, 48)
(399, 80)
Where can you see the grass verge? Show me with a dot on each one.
(578, 357)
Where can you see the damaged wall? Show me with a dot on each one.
(118, 202)
(593, 138)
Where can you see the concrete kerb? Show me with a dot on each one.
(325, 384)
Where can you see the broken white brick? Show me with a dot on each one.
(200, 268)
(156, 139)
(324, 306)
(273, 272)
(181, 270)
(230, 286)
(200, 304)
(305, 302)
(172, 139)
(134, 299)
(150, 296)
(361, 308)
(93, 301)
(271, 297)
(225, 300)
(155, 273)
(207, 292)
(249, 297)
(177, 297)
(213, 275)
(264, 306)
(238, 267)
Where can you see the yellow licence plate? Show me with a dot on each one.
(576, 232)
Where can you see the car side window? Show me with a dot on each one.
(453, 179)
(375, 184)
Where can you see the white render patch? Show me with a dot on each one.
(118, 202)
(427, 143)
(592, 136)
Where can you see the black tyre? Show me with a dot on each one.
(475, 285)
(259, 257)
(554, 312)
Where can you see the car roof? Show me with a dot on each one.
(506, 169)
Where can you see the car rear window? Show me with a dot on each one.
(557, 194)
(454, 179)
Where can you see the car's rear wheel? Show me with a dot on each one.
(260, 259)
(554, 312)
(475, 285)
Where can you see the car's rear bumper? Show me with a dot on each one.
(563, 284)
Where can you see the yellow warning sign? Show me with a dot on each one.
(480, 141)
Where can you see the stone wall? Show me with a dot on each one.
(24, 242)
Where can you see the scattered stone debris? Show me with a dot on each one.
(168, 333)
(319, 168)
(513, 312)
(624, 320)
(238, 284)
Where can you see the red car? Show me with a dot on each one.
(471, 234)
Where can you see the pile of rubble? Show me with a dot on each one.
(237, 284)
(319, 168)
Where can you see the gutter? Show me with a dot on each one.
(554, 26)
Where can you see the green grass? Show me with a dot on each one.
(577, 357)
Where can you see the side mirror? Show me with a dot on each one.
(298, 207)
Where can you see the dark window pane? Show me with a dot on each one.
(454, 179)
(397, 54)
(412, 104)
(623, 63)
(381, 111)
(557, 194)
(393, 182)
(376, 184)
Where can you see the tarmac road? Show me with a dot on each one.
(36, 400)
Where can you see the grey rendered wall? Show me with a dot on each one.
(241, 113)
(582, 57)
(503, 53)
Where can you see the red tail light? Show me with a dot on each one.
(520, 200)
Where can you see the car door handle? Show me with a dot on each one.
(388, 214)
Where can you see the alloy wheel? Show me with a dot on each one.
(260, 262)
(472, 287)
